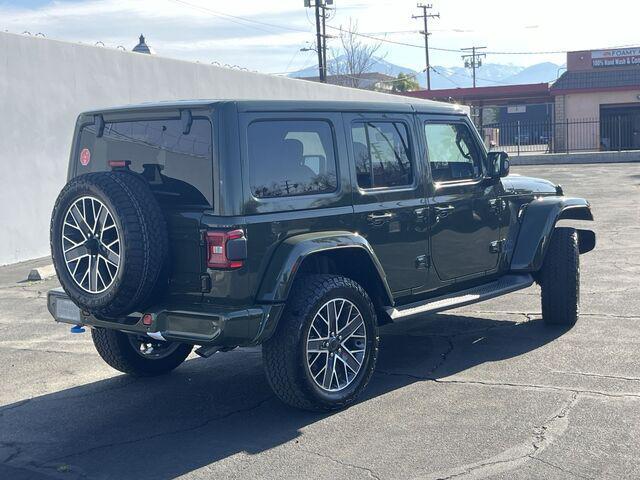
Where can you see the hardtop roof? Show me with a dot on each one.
(421, 106)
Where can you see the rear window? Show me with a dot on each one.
(288, 158)
(178, 167)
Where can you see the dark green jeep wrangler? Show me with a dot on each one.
(299, 226)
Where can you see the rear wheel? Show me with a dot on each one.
(560, 278)
(324, 350)
(138, 355)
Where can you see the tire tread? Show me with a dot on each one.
(560, 278)
(281, 366)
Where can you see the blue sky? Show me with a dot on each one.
(227, 32)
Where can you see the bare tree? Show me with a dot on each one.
(353, 57)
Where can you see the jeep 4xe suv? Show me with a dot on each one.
(301, 226)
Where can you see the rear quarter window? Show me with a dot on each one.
(177, 166)
(291, 158)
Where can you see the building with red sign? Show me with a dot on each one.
(601, 87)
(593, 105)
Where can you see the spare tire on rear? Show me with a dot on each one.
(109, 243)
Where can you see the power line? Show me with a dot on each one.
(445, 77)
(426, 16)
(394, 42)
(238, 20)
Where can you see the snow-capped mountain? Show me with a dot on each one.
(452, 77)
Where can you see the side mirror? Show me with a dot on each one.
(498, 164)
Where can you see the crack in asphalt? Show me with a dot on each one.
(538, 387)
(14, 446)
(39, 350)
(610, 315)
(444, 355)
(450, 339)
(598, 375)
(558, 467)
(509, 385)
(160, 434)
(512, 458)
(369, 471)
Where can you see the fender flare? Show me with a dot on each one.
(537, 224)
(289, 255)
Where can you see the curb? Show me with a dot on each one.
(576, 158)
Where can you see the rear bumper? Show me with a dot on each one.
(198, 325)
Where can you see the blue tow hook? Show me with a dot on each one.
(77, 329)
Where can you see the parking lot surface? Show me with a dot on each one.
(485, 391)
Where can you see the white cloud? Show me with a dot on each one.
(207, 30)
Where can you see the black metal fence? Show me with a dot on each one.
(609, 133)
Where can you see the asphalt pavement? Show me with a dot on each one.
(485, 391)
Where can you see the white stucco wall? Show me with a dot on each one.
(44, 84)
(580, 106)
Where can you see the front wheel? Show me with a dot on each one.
(324, 350)
(560, 279)
(138, 355)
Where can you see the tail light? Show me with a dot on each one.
(226, 249)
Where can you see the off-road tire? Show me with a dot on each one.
(116, 350)
(284, 353)
(144, 242)
(559, 279)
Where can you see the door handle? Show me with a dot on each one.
(421, 213)
(442, 212)
(379, 218)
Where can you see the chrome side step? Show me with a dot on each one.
(507, 284)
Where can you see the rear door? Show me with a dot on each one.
(465, 204)
(388, 195)
(177, 164)
(295, 179)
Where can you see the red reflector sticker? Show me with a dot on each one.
(85, 156)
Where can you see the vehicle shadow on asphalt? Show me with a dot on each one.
(210, 410)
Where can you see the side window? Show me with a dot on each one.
(453, 153)
(382, 154)
(288, 158)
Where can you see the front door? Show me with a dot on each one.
(389, 200)
(465, 205)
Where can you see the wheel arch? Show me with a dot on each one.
(338, 252)
(537, 223)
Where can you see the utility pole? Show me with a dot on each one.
(426, 34)
(320, 7)
(473, 60)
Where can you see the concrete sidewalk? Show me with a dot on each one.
(575, 158)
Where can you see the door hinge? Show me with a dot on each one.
(496, 246)
(496, 206)
(423, 261)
